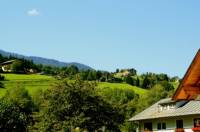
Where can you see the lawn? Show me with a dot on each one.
(35, 82)
(31, 82)
(137, 90)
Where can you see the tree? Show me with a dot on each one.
(92, 75)
(117, 70)
(162, 77)
(17, 66)
(74, 104)
(167, 85)
(129, 80)
(20, 97)
(84, 74)
(132, 71)
(12, 118)
(72, 70)
(2, 58)
(146, 83)
(15, 110)
(137, 82)
(98, 75)
(156, 93)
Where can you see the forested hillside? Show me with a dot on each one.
(44, 61)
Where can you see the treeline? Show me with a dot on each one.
(19, 65)
(130, 76)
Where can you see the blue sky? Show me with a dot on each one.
(149, 35)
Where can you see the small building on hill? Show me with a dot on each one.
(6, 66)
(181, 113)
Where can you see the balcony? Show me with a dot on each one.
(196, 129)
(179, 130)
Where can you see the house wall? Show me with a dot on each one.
(6, 68)
(188, 123)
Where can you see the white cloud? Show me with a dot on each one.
(33, 12)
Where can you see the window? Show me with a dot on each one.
(172, 106)
(148, 126)
(197, 122)
(179, 123)
(165, 107)
(161, 126)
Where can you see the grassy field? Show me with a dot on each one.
(36, 82)
(137, 90)
(32, 82)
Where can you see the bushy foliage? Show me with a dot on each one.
(124, 99)
(15, 110)
(154, 94)
(17, 66)
(167, 85)
(75, 104)
(12, 118)
(117, 96)
(20, 97)
(38, 98)
(129, 80)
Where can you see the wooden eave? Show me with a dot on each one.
(189, 87)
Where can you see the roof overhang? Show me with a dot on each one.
(189, 87)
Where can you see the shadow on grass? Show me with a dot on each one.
(1, 85)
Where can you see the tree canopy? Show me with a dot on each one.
(75, 104)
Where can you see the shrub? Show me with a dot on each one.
(20, 97)
(12, 118)
(74, 104)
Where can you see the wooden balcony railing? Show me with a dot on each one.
(196, 129)
(179, 130)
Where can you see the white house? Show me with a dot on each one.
(6, 66)
(181, 113)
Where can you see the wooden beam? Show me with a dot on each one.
(191, 91)
(191, 88)
(195, 63)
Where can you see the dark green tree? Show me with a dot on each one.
(137, 82)
(92, 75)
(167, 85)
(146, 83)
(132, 71)
(129, 80)
(74, 104)
(17, 67)
(72, 70)
(117, 70)
(15, 110)
(20, 97)
(12, 118)
(98, 75)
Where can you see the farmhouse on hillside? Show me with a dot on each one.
(181, 113)
(6, 66)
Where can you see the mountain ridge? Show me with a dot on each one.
(46, 61)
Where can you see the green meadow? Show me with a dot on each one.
(35, 82)
(138, 90)
(32, 82)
